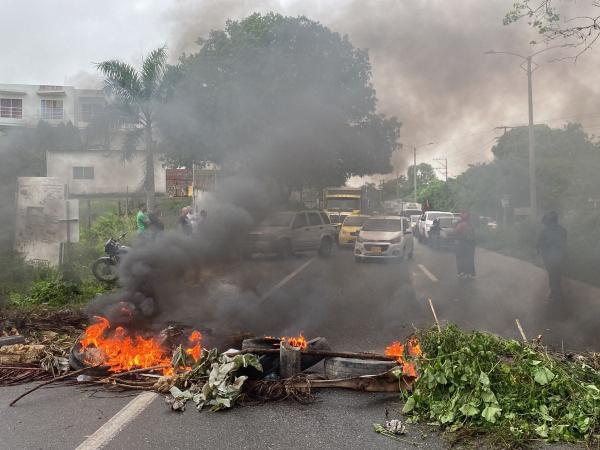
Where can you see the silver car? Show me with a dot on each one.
(384, 237)
(287, 232)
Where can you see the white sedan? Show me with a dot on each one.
(384, 237)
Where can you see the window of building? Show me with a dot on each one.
(11, 108)
(83, 173)
(89, 111)
(52, 110)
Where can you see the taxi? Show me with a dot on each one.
(350, 229)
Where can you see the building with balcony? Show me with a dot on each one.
(26, 104)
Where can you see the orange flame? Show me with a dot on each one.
(121, 351)
(195, 350)
(395, 350)
(296, 341)
(409, 370)
(414, 348)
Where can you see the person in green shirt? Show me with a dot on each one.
(141, 219)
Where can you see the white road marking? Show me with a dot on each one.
(429, 275)
(110, 429)
(286, 279)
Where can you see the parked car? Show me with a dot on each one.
(444, 237)
(427, 219)
(350, 228)
(287, 232)
(384, 237)
(488, 222)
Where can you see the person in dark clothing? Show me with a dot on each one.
(551, 246)
(184, 221)
(155, 225)
(465, 247)
(434, 233)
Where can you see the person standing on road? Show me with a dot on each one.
(434, 233)
(465, 247)
(141, 220)
(551, 246)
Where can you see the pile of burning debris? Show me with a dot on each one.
(240, 367)
(481, 380)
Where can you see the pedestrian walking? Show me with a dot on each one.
(185, 225)
(551, 245)
(141, 220)
(465, 247)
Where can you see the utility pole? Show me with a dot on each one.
(532, 184)
(528, 62)
(415, 147)
(443, 168)
(415, 170)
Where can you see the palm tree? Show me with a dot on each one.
(138, 92)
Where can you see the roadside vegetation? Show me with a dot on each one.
(474, 383)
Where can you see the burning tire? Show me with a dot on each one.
(348, 367)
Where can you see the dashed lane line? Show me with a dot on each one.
(110, 429)
(429, 275)
(287, 279)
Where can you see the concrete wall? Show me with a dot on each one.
(45, 219)
(112, 174)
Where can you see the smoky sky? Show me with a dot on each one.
(429, 67)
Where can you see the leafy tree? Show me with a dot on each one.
(425, 175)
(282, 98)
(137, 93)
(566, 172)
(438, 194)
(582, 31)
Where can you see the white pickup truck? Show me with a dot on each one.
(427, 219)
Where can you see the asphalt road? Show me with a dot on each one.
(356, 307)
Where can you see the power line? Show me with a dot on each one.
(443, 162)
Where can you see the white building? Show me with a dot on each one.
(103, 173)
(26, 105)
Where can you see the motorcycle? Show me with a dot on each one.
(105, 267)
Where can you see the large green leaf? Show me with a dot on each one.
(409, 405)
(543, 375)
(491, 413)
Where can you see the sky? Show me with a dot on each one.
(429, 66)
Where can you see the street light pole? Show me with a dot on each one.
(415, 170)
(528, 60)
(532, 183)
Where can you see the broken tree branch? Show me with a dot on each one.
(521, 330)
(45, 383)
(323, 353)
(437, 322)
(145, 369)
